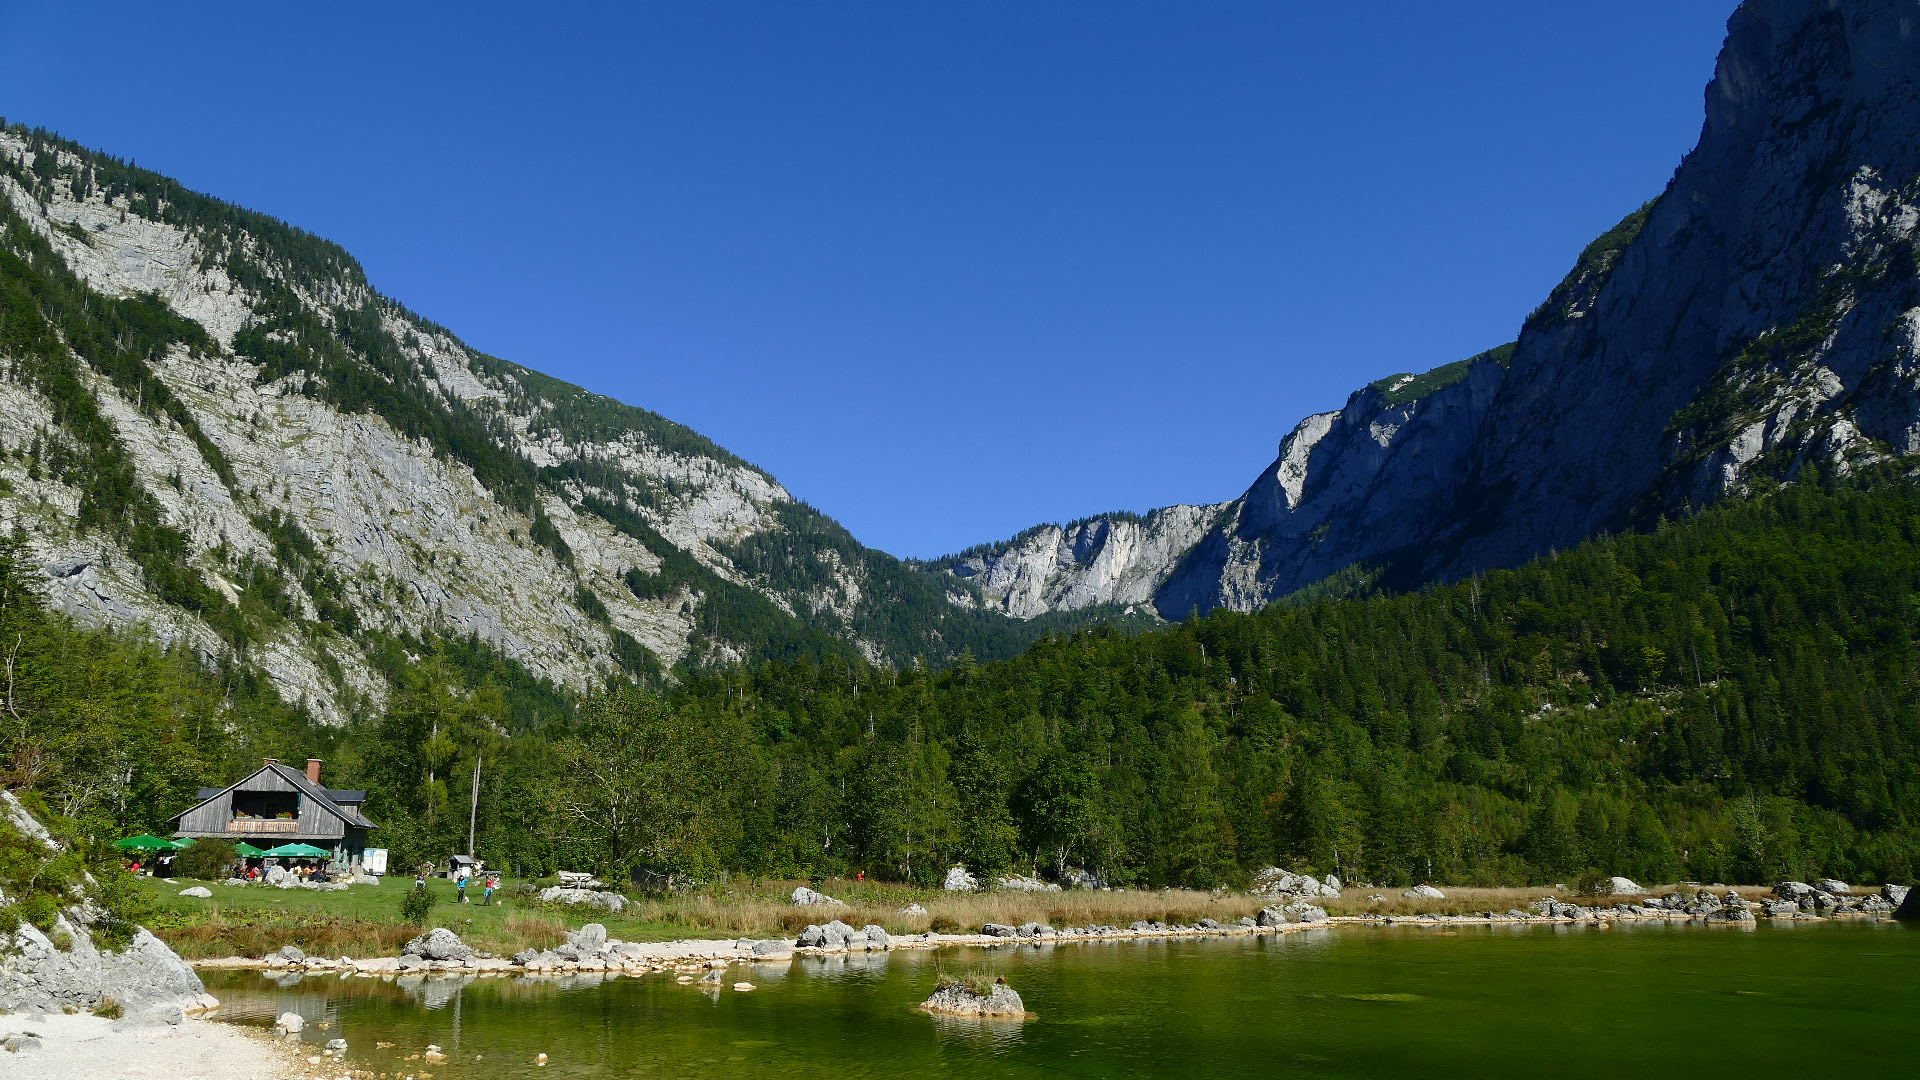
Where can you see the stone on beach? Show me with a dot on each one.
(290, 1022)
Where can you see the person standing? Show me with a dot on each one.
(492, 883)
(460, 886)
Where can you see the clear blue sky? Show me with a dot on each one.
(945, 269)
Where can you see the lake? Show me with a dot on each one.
(1649, 999)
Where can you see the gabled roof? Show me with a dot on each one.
(349, 811)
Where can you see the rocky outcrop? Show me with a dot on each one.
(1762, 315)
(64, 968)
(805, 897)
(603, 901)
(1274, 883)
(958, 879)
(957, 999)
(1111, 559)
(1619, 886)
(1424, 892)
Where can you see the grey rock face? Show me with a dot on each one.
(958, 879)
(1774, 274)
(833, 935)
(1909, 909)
(590, 939)
(67, 970)
(438, 943)
(1894, 894)
(1277, 884)
(1833, 887)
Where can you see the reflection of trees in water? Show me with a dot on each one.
(844, 965)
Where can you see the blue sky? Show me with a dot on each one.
(946, 270)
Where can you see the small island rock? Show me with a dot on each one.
(954, 999)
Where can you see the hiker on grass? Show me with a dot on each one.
(492, 883)
(461, 887)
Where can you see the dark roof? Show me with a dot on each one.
(346, 795)
(348, 812)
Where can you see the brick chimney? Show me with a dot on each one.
(273, 761)
(313, 771)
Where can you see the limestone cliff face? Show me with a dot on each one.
(1760, 316)
(1112, 559)
(213, 428)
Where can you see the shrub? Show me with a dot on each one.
(942, 924)
(416, 905)
(108, 1009)
(207, 860)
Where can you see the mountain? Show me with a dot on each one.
(1758, 319)
(213, 427)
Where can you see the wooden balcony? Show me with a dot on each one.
(264, 826)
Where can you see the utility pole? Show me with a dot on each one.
(473, 807)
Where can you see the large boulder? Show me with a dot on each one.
(833, 935)
(1894, 894)
(878, 940)
(1909, 909)
(603, 901)
(998, 930)
(64, 970)
(1833, 887)
(959, 880)
(1619, 886)
(1424, 892)
(805, 897)
(589, 940)
(281, 878)
(1793, 890)
(957, 999)
(1022, 883)
(1274, 883)
(438, 943)
(198, 892)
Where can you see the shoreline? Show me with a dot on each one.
(198, 1048)
(690, 955)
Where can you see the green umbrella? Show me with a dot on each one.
(301, 851)
(144, 842)
(247, 851)
(183, 842)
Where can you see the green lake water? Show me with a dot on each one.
(1647, 999)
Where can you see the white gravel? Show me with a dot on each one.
(83, 1047)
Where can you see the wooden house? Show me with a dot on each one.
(278, 804)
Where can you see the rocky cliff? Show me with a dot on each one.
(1760, 317)
(62, 967)
(211, 426)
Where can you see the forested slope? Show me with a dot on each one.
(1728, 697)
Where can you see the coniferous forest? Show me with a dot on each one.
(1728, 697)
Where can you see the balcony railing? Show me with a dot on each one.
(264, 825)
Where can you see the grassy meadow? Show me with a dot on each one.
(365, 920)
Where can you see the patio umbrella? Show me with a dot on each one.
(144, 842)
(247, 851)
(183, 842)
(296, 851)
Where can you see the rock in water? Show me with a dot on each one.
(290, 1022)
(954, 999)
(438, 944)
(1909, 909)
(1833, 887)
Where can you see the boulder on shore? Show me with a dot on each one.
(1833, 887)
(959, 880)
(833, 935)
(1909, 909)
(1424, 892)
(1619, 886)
(955, 999)
(438, 943)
